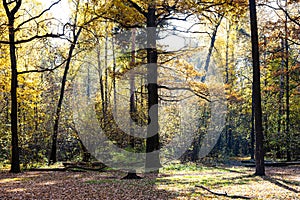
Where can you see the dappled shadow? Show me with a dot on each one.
(276, 182)
(213, 181)
(78, 185)
(295, 183)
(245, 176)
(230, 170)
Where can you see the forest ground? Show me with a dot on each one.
(177, 181)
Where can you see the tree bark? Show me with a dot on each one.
(259, 148)
(15, 157)
(152, 141)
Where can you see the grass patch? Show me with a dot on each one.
(4, 166)
(182, 167)
(184, 177)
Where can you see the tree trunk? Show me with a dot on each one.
(15, 157)
(114, 76)
(152, 141)
(132, 109)
(266, 115)
(101, 85)
(259, 149)
(53, 158)
(211, 47)
(280, 109)
(252, 134)
(106, 96)
(287, 91)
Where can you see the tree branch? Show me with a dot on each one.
(37, 16)
(33, 38)
(174, 18)
(5, 5)
(42, 70)
(137, 7)
(222, 194)
(16, 8)
(283, 10)
(173, 100)
(201, 95)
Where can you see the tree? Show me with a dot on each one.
(281, 45)
(10, 13)
(75, 35)
(157, 14)
(81, 21)
(11, 9)
(259, 149)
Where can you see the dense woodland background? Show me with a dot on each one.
(44, 59)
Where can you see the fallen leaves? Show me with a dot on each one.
(281, 183)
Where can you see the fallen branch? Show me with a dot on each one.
(251, 163)
(222, 194)
(78, 168)
(47, 169)
(71, 168)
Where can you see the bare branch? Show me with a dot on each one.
(293, 42)
(38, 16)
(174, 100)
(283, 10)
(201, 95)
(10, 14)
(43, 70)
(16, 8)
(223, 194)
(175, 18)
(33, 38)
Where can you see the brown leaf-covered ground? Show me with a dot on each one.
(172, 183)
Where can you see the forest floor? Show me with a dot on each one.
(177, 181)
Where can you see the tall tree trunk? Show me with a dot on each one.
(101, 85)
(287, 91)
(88, 87)
(228, 118)
(266, 115)
(259, 138)
(280, 109)
(227, 53)
(114, 76)
(228, 130)
(15, 157)
(132, 174)
(132, 107)
(106, 72)
(53, 158)
(252, 134)
(152, 141)
(211, 47)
